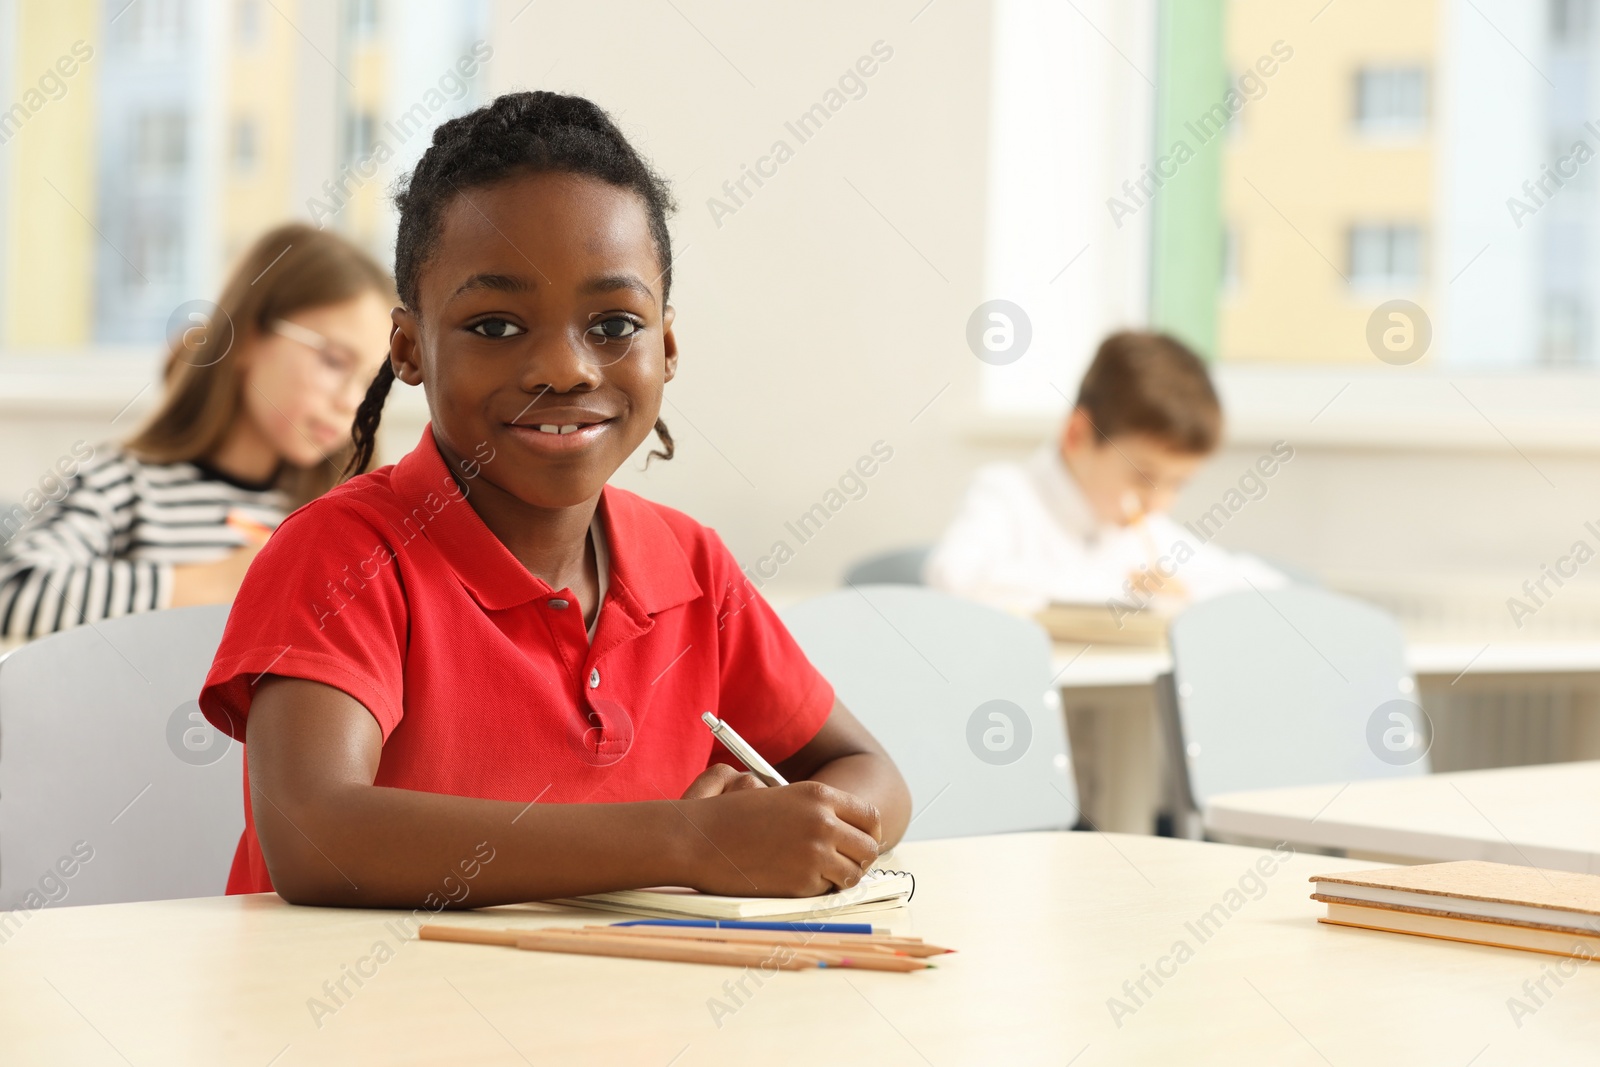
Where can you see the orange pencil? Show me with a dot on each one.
(634, 944)
(256, 531)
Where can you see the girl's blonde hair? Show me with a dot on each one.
(287, 269)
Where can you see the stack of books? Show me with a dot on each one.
(1105, 624)
(1528, 908)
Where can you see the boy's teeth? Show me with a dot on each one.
(548, 428)
(568, 429)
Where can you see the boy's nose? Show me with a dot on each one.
(559, 365)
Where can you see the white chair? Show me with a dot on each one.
(902, 566)
(103, 750)
(1294, 686)
(960, 696)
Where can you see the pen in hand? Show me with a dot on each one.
(742, 751)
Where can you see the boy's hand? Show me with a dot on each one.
(1151, 583)
(798, 840)
(720, 778)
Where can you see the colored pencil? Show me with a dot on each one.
(788, 952)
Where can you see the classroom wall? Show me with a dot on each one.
(821, 316)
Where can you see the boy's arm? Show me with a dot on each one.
(845, 755)
(992, 551)
(332, 837)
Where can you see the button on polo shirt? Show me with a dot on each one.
(391, 589)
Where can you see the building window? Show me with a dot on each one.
(150, 26)
(159, 143)
(155, 257)
(243, 148)
(360, 135)
(1230, 259)
(363, 15)
(1391, 99)
(1566, 330)
(1385, 257)
(1571, 21)
(247, 28)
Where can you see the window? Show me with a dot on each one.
(1391, 99)
(159, 149)
(149, 26)
(363, 19)
(1571, 21)
(247, 24)
(1385, 257)
(243, 149)
(360, 135)
(1566, 330)
(156, 257)
(1230, 260)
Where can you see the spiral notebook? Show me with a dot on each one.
(878, 890)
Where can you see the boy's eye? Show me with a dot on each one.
(497, 328)
(615, 329)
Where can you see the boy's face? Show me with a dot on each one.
(1128, 476)
(541, 307)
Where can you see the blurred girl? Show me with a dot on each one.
(256, 420)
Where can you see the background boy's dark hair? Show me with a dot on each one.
(1151, 384)
(516, 134)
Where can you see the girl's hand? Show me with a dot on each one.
(798, 840)
(720, 778)
(218, 582)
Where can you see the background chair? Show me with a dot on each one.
(1294, 686)
(903, 566)
(102, 742)
(959, 694)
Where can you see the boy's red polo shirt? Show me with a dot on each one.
(482, 677)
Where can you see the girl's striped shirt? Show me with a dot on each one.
(108, 546)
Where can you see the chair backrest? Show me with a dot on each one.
(1293, 686)
(903, 566)
(959, 694)
(112, 785)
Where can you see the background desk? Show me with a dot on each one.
(227, 981)
(1547, 816)
(1497, 703)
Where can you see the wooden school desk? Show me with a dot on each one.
(1547, 816)
(1107, 696)
(1057, 932)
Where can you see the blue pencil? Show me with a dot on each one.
(732, 924)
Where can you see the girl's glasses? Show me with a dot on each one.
(338, 364)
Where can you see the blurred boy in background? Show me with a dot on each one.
(1084, 520)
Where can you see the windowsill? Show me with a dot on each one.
(1383, 408)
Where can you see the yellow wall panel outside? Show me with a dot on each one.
(50, 243)
(1299, 173)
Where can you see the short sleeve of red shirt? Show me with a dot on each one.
(322, 601)
(771, 694)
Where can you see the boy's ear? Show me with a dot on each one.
(405, 350)
(669, 342)
(1078, 432)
